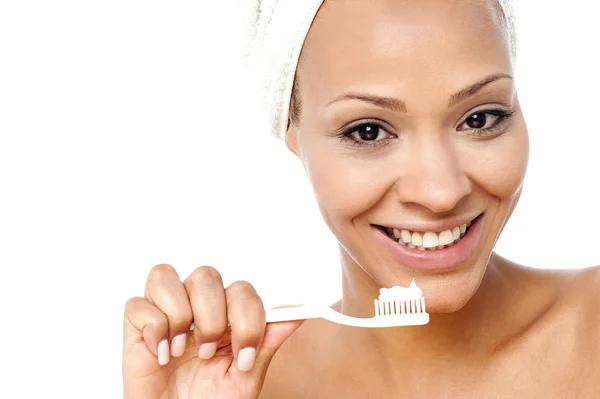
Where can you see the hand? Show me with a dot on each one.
(226, 356)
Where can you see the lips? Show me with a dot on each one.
(430, 254)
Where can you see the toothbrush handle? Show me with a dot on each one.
(301, 312)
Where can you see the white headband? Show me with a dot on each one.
(276, 30)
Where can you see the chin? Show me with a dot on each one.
(450, 293)
(450, 302)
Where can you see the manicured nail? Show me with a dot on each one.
(163, 352)
(207, 350)
(246, 358)
(178, 345)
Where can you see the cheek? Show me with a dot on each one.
(344, 186)
(499, 166)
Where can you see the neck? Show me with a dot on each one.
(470, 333)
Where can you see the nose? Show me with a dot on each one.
(432, 177)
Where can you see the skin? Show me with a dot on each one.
(431, 168)
(497, 329)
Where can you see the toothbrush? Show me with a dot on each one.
(388, 313)
(395, 307)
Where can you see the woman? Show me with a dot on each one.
(406, 118)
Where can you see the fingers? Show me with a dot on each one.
(207, 297)
(246, 314)
(164, 316)
(166, 292)
(147, 321)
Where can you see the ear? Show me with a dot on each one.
(291, 138)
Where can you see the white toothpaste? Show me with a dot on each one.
(398, 293)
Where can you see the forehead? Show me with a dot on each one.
(381, 41)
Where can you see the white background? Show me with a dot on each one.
(127, 140)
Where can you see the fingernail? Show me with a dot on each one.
(246, 358)
(178, 345)
(163, 352)
(207, 350)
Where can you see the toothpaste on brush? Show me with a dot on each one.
(398, 293)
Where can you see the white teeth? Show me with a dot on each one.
(456, 233)
(406, 236)
(416, 239)
(430, 240)
(446, 237)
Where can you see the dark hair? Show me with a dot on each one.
(295, 104)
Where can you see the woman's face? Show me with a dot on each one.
(410, 120)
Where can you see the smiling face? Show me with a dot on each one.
(410, 121)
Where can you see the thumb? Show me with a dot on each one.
(275, 335)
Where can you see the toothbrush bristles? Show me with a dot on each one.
(398, 308)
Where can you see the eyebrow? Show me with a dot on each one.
(475, 87)
(395, 104)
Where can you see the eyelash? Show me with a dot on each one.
(504, 117)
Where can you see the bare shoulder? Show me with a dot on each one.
(580, 287)
(579, 305)
(590, 279)
(583, 285)
(564, 331)
(586, 289)
(566, 301)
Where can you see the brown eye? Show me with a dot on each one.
(477, 120)
(368, 132)
(486, 122)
